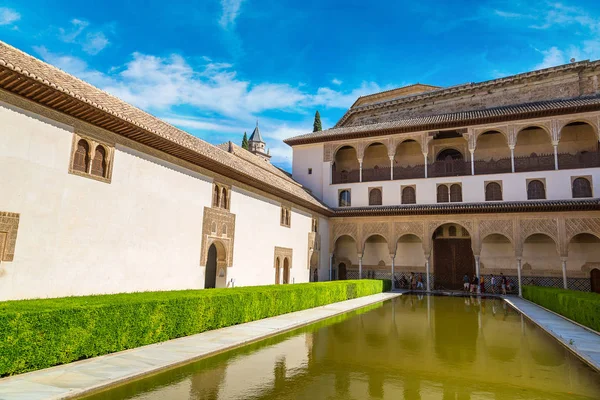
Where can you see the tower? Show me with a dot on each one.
(256, 144)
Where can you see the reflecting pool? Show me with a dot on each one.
(412, 347)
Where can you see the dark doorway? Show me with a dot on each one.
(210, 277)
(595, 280)
(286, 271)
(342, 272)
(452, 259)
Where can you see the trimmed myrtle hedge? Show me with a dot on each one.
(581, 307)
(37, 334)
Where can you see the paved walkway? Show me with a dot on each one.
(581, 341)
(74, 379)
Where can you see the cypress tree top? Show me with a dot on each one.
(245, 141)
(317, 124)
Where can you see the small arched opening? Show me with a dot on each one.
(345, 167)
(286, 271)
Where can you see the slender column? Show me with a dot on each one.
(555, 155)
(360, 266)
(425, 157)
(512, 158)
(519, 259)
(427, 271)
(393, 280)
(331, 172)
(391, 168)
(360, 171)
(330, 265)
(472, 162)
(563, 261)
(477, 272)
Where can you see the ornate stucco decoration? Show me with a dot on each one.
(9, 224)
(218, 226)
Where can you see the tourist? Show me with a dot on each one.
(503, 283)
(420, 282)
(493, 282)
(403, 282)
(482, 285)
(411, 280)
(474, 284)
(466, 283)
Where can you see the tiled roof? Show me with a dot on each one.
(472, 208)
(442, 121)
(38, 75)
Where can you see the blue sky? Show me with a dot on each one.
(216, 67)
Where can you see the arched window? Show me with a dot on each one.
(282, 216)
(216, 199)
(288, 220)
(224, 231)
(581, 188)
(536, 190)
(452, 231)
(409, 195)
(345, 200)
(493, 192)
(455, 193)
(375, 197)
(81, 160)
(442, 194)
(99, 162)
(224, 198)
(449, 154)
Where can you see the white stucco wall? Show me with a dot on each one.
(310, 156)
(514, 187)
(140, 232)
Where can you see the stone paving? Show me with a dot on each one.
(584, 342)
(74, 379)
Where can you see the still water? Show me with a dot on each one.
(412, 347)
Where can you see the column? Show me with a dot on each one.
(391, 168)
(427, 271)
(360, 170)
(330, 172)
(477, 270)
(425, 157)
(512, 158)
(330, 265)
(563, 261)
(519, 259)
(472, 162)
(393, 280)
(360, 266)
(555, 155)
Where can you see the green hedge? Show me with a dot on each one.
(582, 307)
(37, 334)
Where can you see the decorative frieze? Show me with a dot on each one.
(9, 224)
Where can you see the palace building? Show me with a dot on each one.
(97, 196)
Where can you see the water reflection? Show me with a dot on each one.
(416, 347)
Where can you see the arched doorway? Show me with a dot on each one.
(595, 280)
(277, 271)
(210, 277)
(452, 256)
(286, 271)
(342, 274)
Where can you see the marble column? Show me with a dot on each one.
(330, 265)
(360, 266)
(425, 157)
(512, 158)
(477, 271)
(472, 162)
(563, 261)
(519, 260)
(555, 155)
(393, 280)
(391, 168)
(360, 170)
(427, 272)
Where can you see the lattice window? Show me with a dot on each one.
(582, 188)
(452, 231)
(536, 190)
(286, 216)
(99, 162)
(455, 193)
(216, 196)
(345, 199)
(442, 194)
(375, 197)
(81, 159)
(409, 195)
(493, 192)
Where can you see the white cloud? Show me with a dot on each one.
(231, 10)
(336, 81)
(92, 42)
(8, 16)
(552, 57)
(507, 14)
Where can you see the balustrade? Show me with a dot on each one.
(345, 176)
(583, 159)
(500, 166)
(376, 174)
(449, 168)
(409, 172)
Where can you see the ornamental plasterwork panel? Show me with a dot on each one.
(410, 227)
(471, 139)
(545, 125)
(503, 129)
(282, 253)
(328, 150)
(314, 246)
(375, 228)
(466, 223)
(575, 226)
(218, 225)
(344, 228)
(546, 226)
(9, 224)
(593, 121)
(499, 226)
